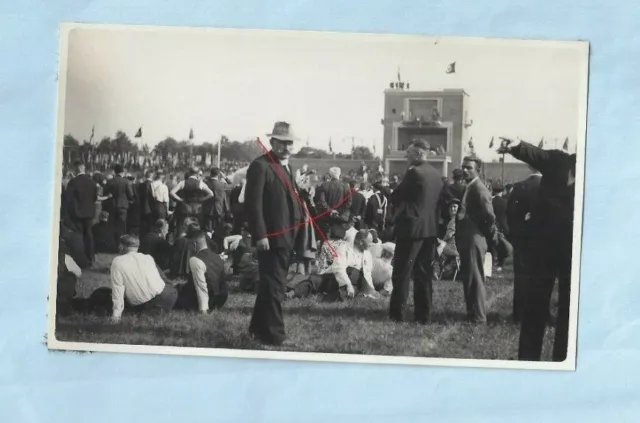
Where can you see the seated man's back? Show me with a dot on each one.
(136, 278)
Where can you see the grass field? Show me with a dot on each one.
(355, 327)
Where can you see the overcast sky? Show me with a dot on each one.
(238, 83)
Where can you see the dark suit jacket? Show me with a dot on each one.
(218, 205)
(480, 218)
(522, 201)
(500, 210)
(158, 248)
(270, 205)
(121, 191)
(145, 197)
(358, 204)
(552, 218)
(81, 196)
(335, 196)
(417, 202)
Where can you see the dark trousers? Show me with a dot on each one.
(119, 218)
(164, 301)
(267, 322)
(413, 258)
(550, 263)
(188, 299)
(85, 227)
(328, 285)
(472, 248)
(522, 270)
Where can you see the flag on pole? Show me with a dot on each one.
(565, 145)
(139, 133)
(541, 143)
(399, 79)
(191, 134)
(93, 131)
(374, 148)
(491, 143)
(451, 68)
(330, 147)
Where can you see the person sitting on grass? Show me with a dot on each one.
(339, 277)
(383, 268)
(206, 288)
(156, 245)
(376, 245)
(136, 278)
(183, 248)
(244, 259)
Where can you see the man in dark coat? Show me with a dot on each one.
(275, 217)
(81, 196)
(147, 204)
(475, 234)
(552, 223)
(334, 204)
(121, 191)
(214, 209)
(358, 206)
(417, 200)
(520, 207)
(156, 245)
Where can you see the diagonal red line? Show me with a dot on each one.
(301, 202)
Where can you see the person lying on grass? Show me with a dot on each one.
(340, 277)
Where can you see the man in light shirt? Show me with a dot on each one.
(206, 288)
(136, 278)
(382, 270)
(161, 196)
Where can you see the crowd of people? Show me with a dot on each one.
(285, 236)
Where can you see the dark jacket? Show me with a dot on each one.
(522, 201)
(500, 210)
(552, 218)
(335, 195)
(417, 203)
(358, 205)
(145, 198)
(81, 196)
(271, 205)
(121, 191)
(158, 248)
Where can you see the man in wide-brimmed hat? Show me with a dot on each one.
(275, 215)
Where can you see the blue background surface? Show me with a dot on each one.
(37, 385)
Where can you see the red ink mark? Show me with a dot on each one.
(311, 219)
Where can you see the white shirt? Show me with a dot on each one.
(381, 273)
(160, 191)
(348, 256)
(198, 269)
(231, 242)
(376, 249)
(350, 234)
(134, 276)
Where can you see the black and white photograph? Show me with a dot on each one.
(364, 198)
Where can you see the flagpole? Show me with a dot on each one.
(219, 149)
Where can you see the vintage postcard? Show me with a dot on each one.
(364, 198)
